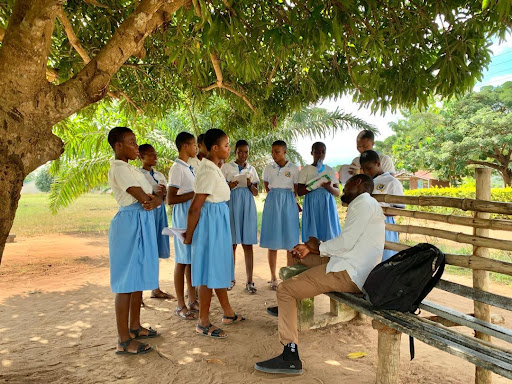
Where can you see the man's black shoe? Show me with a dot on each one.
(279, 365)
(273, 311)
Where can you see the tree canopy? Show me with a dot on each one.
(474, 130)
(267, 58)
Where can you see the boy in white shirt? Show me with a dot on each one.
(365, 142)
(384, 184)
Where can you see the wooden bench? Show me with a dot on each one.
(440, 329)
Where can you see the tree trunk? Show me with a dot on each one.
(506, 173)
(30, 105)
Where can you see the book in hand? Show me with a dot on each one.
(317, 182)
(175, 232)
(242, 179)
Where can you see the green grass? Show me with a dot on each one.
(91, 213)
(467, 250)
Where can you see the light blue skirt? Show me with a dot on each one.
(133, 250)
(164, 250)
(390, 236)
(280, 221)
(243, 217)
(182, 252)
(320, 216)
(212, 250)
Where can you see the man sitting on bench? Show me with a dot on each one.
(341, 264)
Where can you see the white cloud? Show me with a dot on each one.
(498, 48)
(494, 81)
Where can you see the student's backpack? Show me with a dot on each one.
(404, 280)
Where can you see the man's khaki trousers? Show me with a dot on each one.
(310, 283)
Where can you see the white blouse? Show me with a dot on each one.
(230, 170)
(122, 176)
(210, 181)
(309, 172)
(181, 176)
(281, 177)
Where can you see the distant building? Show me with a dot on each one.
(420, 180)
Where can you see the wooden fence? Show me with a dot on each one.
(479, 261)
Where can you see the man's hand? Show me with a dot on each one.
(313, 244)
(154, 202)
(300, 251)
(326, 185)
(233, 184)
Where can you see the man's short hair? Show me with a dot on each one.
(366, 182)
(279, 143)
(366, 134)
(200, 139)
(116, 135)
(318, 144)
(183, 138)
(369, 157)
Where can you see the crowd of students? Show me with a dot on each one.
(213, 202)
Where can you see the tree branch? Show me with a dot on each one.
(486, 164)
(75, 43)
(91, 83)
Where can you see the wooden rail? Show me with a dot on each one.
(499, 225)
(451, 202)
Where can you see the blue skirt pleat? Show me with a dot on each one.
(164, 250)
(390, 236)
(320, 216)
(182, 252)
(280, 220)
(243, 217)
(133, 250)
(212, 250)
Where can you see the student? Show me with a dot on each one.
(157, 180)
(209, 232)
(384, 184)
(195, 161)
(365, 142)
(341, 264)
(242, 208)
(180, 192)
(133, 249)
(319, 213)
(280, 220)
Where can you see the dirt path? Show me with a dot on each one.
(57, 325)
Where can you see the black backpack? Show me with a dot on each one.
(403, 281)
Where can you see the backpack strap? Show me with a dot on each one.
(433, 282)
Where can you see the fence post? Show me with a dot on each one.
(481, 277)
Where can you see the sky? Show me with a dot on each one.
(341, 148)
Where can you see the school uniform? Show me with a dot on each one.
(155, 178)
(181, 176)
(133, 248)
(212, 251)
(194, 162)
(386, 163)
(280, 220)
(319, 211)
(387, 184)
(242, 208)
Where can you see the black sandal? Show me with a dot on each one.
(216, 333)
(140, 351)
(152, 333)
(234, 319)
(191, 306)
(251, 289)
(189, 315)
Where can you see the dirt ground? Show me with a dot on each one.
(57, 326)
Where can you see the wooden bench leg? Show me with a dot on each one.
(305, 313)
(388, 353)
(341, 311)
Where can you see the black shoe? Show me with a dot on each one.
(279, 365)
(273, 311)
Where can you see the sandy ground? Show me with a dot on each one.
(57, 326)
